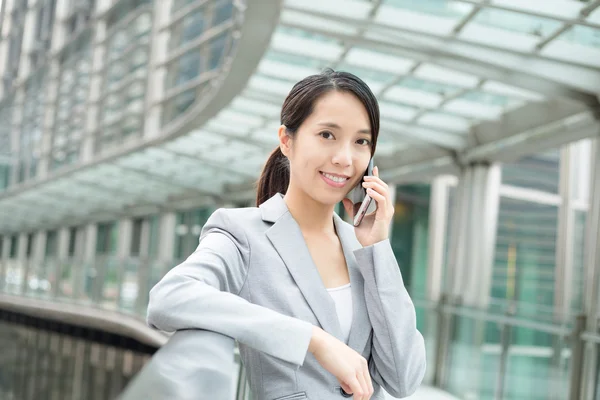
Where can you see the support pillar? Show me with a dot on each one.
(123, 260)
(85, 274)
(471, 256)
(166, 241)
(4, 260)
(144, 263)
(22, 263)
(592, 296)
(62, 260)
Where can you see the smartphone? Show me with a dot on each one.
(363, 203)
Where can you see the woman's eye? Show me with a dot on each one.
(327, 135)
(364, 142)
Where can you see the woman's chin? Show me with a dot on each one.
(331, 199)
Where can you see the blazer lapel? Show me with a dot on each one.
(287, 238)
(361, 325)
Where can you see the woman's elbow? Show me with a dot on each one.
(415, 373)
(410, 378)
(156, 313)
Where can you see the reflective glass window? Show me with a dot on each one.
(538, 171)
(30, 146)
(124, 85)
(525, 257)
(71, 103)
(205, 34)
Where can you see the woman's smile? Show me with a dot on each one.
(335, 180)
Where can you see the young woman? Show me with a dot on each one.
(318, 307)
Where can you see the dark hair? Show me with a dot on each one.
(298, 106)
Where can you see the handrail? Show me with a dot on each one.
(559, 330)
(193, 364)
(86, 315)
(591, 337)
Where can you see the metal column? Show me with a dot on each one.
(472, 245)
(6, 239)
(592, 295)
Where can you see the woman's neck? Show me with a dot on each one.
(311, 216)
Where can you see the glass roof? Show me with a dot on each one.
(449, 75)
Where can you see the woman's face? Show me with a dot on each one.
(332, 148)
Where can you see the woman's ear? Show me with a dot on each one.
(285, 141)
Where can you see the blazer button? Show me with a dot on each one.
(343, 393)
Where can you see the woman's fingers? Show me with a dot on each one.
(364, 391)
(355, 387)
(367, 376)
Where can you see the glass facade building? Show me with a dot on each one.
(125, 123)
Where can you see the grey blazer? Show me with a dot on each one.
(252, 278)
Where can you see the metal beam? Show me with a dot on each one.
(586, 10)
(166, 180)
(203, 160)
(399, 29)
(484, 63)
(522, 140)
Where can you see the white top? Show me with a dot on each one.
(342, 296)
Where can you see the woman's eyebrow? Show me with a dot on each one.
(333, 125)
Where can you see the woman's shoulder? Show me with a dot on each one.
(236, 221)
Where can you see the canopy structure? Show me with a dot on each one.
(458, 82)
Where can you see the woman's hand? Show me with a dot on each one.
(375, 227)
(350, 368)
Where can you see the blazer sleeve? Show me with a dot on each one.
(398, 351)
(203, 293)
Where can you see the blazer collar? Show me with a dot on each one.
(287, 238)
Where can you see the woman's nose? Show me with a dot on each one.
(343, 157)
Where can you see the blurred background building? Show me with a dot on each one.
(125, 123)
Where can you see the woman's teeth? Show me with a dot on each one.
(335, 178)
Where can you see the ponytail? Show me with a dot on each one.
(275, 177)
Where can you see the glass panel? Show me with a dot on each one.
(525, 258)
(179, 104)
(191, 27)
(124, 86)
(583, 35)
(179, 4)
(452, 80)
(538, 365)
(223, 12)
(347, 8)
(540, 171)
(30, 150)
(409, 238)
(373, 60)
(188, 229)
(473, 360)
(110, 267)
(71, 107)
(129, 284)
(454, 9)
(187, 67)
(66, 284)
(403, 94)
(306, 44)
(437, 17)
(516, 22)
(217, 48)
(6, 111)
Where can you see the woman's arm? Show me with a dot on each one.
(398, 352)
(202, 293)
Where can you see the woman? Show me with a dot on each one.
(317, 306)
